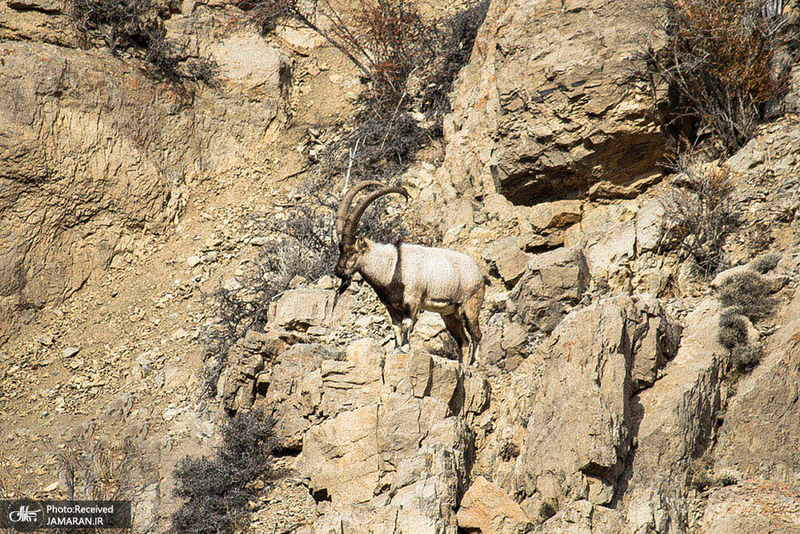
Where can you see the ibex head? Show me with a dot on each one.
(351, 249)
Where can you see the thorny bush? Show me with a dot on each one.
(136, 28)
(700, 214)
(750, 293)
(217, 489)
(720, 65)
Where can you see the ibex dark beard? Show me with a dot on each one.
(411, 278)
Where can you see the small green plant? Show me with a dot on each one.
(217, 489)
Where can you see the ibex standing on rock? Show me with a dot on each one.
(411, 278)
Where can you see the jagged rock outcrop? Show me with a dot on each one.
(547, 107)
(565, 424)
(553, 283)
(674, 422)
(391, 454)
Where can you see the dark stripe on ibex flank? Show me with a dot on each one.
(396, 289)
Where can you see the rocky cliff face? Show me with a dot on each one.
(603, 399)
(96, 155)
(548, 108)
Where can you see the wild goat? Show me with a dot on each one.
(411, 278)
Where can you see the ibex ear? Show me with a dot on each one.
(360, 244)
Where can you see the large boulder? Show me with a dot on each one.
(302, 308)
(547, 106)
(486, 507)
(553, 282)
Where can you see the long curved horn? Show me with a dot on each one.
(351, 224)
(344, 207)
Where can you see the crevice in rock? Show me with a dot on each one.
(621, 485)
(287, 452)
(321, 495)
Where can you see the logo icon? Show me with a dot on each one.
(24, 515)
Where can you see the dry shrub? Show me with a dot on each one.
(397, 39)
(720, 66)
(747, 357)
(136, 28)
(408, 62)
(766, 263)
(217, 489)
(700, 214)
(102, 471)
(746, 295)
(733, 329)
(749, 293)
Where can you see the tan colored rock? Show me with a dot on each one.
(395, 458)
(508, 258)
(292, 388)
(408, 373)
(95, 156)
(582, 401)
(607, 234)
(650, 226)
(751, 507)
(299, 309)
(553, 281)
(575, 390)
(46, 21)
(677, 416)
(353, 382)
(504, 343)
(558, 214)
(545, 111)
(246, 359)
(351, 456)
(488, 508)
(583, 517)
(248, 63)
(655, 337)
